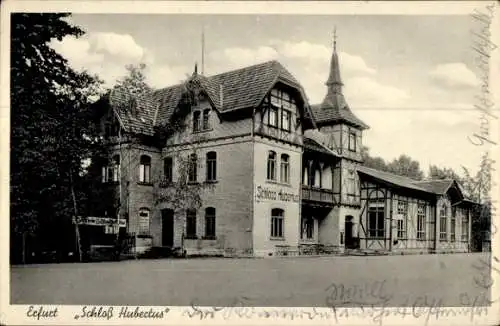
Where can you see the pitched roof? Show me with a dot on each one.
(334, 107)
(240, 88)
(312, 144)
(336, 111)
(436, 186)
(391, 178)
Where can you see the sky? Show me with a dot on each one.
(411, 80)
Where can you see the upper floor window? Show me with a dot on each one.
(351, 182)
(285, 119)
(210, 222)
(305, 175)
(277, 223)
(145, 169)
(206, 119)
(273, 116)
(285, 168)
(211, 166)
(196, 121)
(168, 169)
(116, 168)
(193, 168)
(352, 141)
(111, 171)
(271, 166)
(144, 221)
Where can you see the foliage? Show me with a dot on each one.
(49, 121)
(403, 165)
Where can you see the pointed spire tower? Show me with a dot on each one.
(334, 108)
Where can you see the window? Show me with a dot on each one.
(376, 219)
(285, 119)
(116, 168)
(316, 177)
(191, 224)
(196, 121)
(211, 166)
(281, 105)
(168, 169)
(277, 222)
(465, 226)
(442, 222)
(285, 168)
(402, 218)
(271, 166)
(351, 183)
(210, 222)
(192, 168)
(453, 225)
(144, 221)
(273, 116)
(342, 237)
(307, 228)
(421, 212)
(305, 176)
(206, 119)
(352, 141)
(145, 169)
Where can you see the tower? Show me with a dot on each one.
(343, 133)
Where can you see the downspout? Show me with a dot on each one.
(252, 210)
(435, 227)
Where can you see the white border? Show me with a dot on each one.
(10, 314)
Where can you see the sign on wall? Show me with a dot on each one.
(265, 193)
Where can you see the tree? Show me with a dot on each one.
(437, 173)
(405, 166)
(377, 163)
(49, 118)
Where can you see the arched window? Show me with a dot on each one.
(285, 168)
(206, 119)
(271, 166)
(211, 166)
(210, 222)
(116, 168)
(193, 168)
(443, 222)
(144, 221)
(145, 169)
(196, 121)
(191, 224)
(277, 223)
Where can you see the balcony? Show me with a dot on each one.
(318, 195)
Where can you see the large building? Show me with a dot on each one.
(240, 163)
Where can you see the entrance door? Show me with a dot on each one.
(349, 240)
(167, 228)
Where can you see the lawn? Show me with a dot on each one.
(450, 280)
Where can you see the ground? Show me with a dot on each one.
(455, 279)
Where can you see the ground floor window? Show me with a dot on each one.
(308, 228)
(452, 228)
(421, 221)
(191, 224)
(465, 227)
(401, 229)
(277, 223)
(376, 219)
(144, 221)
(210, 222)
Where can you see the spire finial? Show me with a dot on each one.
(335, 38)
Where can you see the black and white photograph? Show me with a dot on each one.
(264, 162)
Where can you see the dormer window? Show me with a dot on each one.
(196, 121)
(281, 106)
(352, 140)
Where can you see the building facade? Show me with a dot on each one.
(241, 164)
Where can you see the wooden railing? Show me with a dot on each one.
(318, 195)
